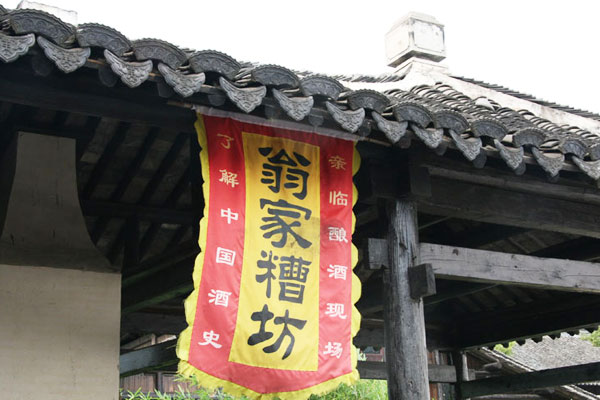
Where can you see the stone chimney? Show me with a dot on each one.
(70, 17)
(416, 41)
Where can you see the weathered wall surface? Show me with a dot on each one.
(59, 297)
(59, 334)
(40, 216)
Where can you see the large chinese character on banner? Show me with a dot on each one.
(272, 312)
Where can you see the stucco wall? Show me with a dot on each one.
(59, 334)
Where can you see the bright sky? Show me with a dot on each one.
(545, 48)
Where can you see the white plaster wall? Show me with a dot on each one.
(59, 334)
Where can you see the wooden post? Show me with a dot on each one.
(406, 353)
(459, 359)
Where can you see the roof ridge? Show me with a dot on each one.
(532, 98)
(476, 128)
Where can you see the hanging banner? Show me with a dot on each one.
(272, 313)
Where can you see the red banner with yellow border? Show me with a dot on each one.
(272, 312)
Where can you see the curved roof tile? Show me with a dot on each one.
(439, 114)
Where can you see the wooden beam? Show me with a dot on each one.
(565, 189)
(374, 336)
(499, 206)
(163, 356)
(404, 322)
(54, 128)
(109, 209)
(512, 397)
(459, 289)
(161, 262)
(532, 380)
(140, 323)
(371, 300)
(370, 150)
(378, 370)
(150, 358)
(154, 289)
(489, 266)
(569, 312)
(87, 96)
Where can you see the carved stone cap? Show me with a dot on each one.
(415, 35)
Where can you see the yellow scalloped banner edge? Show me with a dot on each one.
(184, 342)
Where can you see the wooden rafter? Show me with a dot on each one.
(164, 167)
(107, 155)
(126, 179)
(170, 202)
(150, 189)
(85, 136)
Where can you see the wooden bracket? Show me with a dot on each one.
(420, 183)
(380, 181)
(376, 253)
(421, 281)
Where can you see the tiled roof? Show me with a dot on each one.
(555, 353)
(512, 365)
(438, 115)
(533, 99)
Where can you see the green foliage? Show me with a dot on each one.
(593, 337)
(365, 389)
(505, 350)
(199, 394)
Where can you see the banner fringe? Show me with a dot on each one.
(184, 342)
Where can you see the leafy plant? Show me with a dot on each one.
(365, 389)
(593, 337)
(505, 350)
